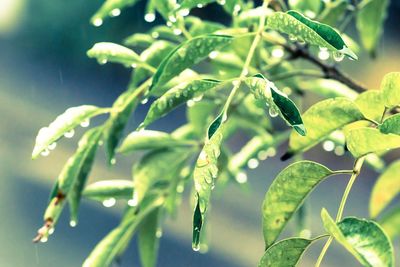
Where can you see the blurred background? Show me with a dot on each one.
(44, 70)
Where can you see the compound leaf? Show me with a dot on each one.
(386, 188)
(287, 193)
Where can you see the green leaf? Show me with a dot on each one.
(139, 39)
(148, 242)
(390, 88)
(64, 124)
(322, 119)
(107, 249)
(200, 115)
(362, 141)
(390, 125)
(333, 12)
(287, 193)
(145, 176)
(285, 253)
(110, 8)
(147, 139)
(369, 21)
(390, 223)
(106, 189)
(205, 173)
(74, 196)
(265, 90)
(364, 239)
(371, 104)
(177, 96)
(386, 188)
(204, 27)
(109, 52)
(312, 32)
(120, 114)
(188, 54)
(189, 4)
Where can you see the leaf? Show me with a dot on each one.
(386, 188)
(364, 239)
(107, 249)
(390, 125)
(362, 141)
(139, 39)
(110, 8)
(148, 242)
(74, 196)
(286, 194)
(204, 27)
(188, 54)
(266, 91)
(390, 88)
(285, 253)
(322, 119)
(63, 124)
(109, 52)
(333, 12)
(369, 21)
(177, 96)
(145, 176)
(189, 4)
(371, 104)
(147, 139)
(115, 125)
(312, 32)
(205, 173)
(390, 223)
(106, 189)
(200, 115)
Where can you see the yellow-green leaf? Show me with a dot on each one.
(109, 52)
(371, 104)
(106, 189)
(287, 193)
(391, 125)
(386, 188)
(110, 8)
(148, 241)
(390, 88)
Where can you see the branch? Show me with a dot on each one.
(330, 71)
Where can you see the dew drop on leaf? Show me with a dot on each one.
(328, 145)
(159, 232)
(149, 17)
(323, 54)
(337, 56)
(108, 203)
(184, 12)
(52, 146)
(252, 163)
(241, 177)
(221, 2)
(144, 101)
(199, 5)
(273, 112)
(72, 223)
(292, 38)
(45, 153)
(98, 22)
(177, 31)
(85, 123)
(115, 12)
(43, 239)
(155, 35)
(277, 52)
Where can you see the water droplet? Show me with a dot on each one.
(51, 231)
(44, 239)
(135, 200)
(184, 12)
(202, 160)
(323, 54)
(52, 146)
(155, 35)
(72, 223)
(133, 65)
(69, 134)
(337, 56)
(273, 112)
(159, 232)
(213, 54)
(177, 31)
(277, 52)
(241, 177)
(108, 203)
(236, 9)
(252, 163)
(113, 161)
(199, 5)
(169, 23)
(172, 18)
(271, 152)
(144, 101)
(100, 143)
(190, 103)
(292, 38)
(221, 2)
(328, 145)
(150, 17)
(198, 98)
(97, 22)
(85, 123)
(115, 12)
(45, 153)
(102, 61)
(262, 155)
(196, 247)
(339, 151)
(180, 188)
(301, 41)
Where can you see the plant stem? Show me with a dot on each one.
(356, 171)
(249, 57)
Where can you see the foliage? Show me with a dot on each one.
(249, 67)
